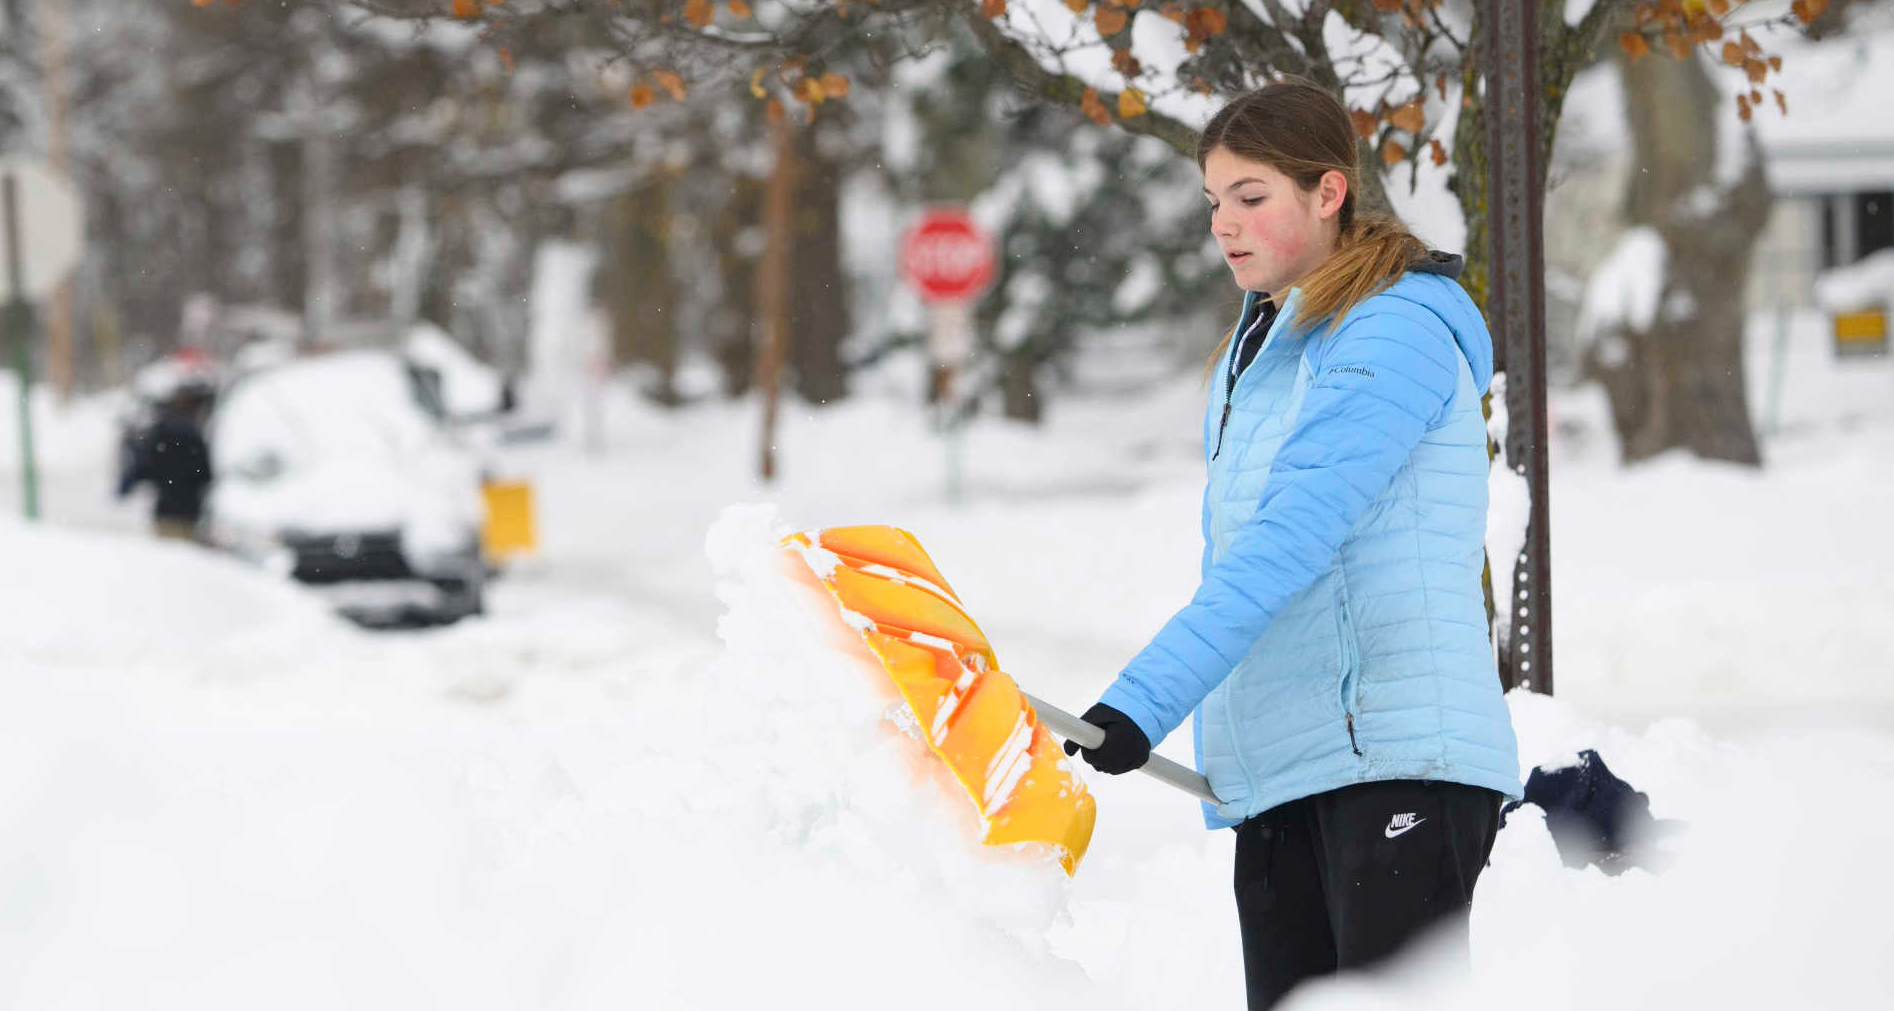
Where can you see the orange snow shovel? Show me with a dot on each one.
(897, 611)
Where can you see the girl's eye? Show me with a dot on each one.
(1252, 201)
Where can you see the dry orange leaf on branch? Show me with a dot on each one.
(699, 12)
(1408, 117)
(1090, 104)
(1364, 122)
(1808, 10)
(1200, 24)
(1111, 19)
(992, 8)
(1130, 103)
(670, 82)
(1683, 25)
(816, 89)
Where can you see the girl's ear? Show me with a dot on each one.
(1330, 192)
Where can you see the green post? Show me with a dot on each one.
(18, 325)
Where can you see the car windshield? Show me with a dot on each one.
(354, 406)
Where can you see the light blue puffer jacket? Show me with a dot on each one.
(1339, 633)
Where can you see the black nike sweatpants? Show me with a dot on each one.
(1343, 879)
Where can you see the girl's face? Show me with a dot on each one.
(1271, 231)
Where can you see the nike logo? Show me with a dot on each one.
(1401, 823)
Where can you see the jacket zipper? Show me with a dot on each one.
(1225, 423)
(1351, 668)
(1229, 389)
(1229, 386)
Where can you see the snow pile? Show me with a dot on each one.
(79, 435)
(1624, 291)
(638, 782)
(1774, 871)
(117, 600)
(838, 767)
(1862, 286)
(1508, 516)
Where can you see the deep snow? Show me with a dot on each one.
(633, 785)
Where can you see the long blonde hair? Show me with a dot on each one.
(1302, 131)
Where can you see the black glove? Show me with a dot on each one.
(1124, 748)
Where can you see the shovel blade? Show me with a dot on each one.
(894, 606)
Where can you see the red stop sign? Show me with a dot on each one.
(946, 257)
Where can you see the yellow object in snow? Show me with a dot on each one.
(507, 527)
(1861, 333)
(900, 614)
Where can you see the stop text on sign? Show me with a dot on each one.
(946, 257)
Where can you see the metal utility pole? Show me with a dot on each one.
(1516, 308)
(772, 283)
(59, 330)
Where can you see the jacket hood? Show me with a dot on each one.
(1433, 282)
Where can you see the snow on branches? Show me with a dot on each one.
(1682, 26)
(1142, 64)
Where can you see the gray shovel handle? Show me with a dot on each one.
(1072, 728)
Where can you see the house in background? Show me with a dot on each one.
(1830, 160)
(1830, 163)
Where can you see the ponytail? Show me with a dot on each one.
(1368, 257)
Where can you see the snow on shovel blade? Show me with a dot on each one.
(897, 611)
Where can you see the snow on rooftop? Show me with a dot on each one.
(1838, 135)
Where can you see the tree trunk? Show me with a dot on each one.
(639, 291)
(731, 322)
(1680, 384)
(819, 308)
(1563, 52)
(1019, 388)
(773, 277)
(321, 214)
(288, 278)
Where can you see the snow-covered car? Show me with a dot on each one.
(338, 471)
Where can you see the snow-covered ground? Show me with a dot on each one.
(629, 787)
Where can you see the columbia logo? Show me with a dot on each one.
(1356, 369)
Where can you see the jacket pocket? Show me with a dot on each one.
(1349, 688)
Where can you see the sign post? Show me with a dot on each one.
(16, 324)
(1516, 307)
(949, 261)
(40, 233)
